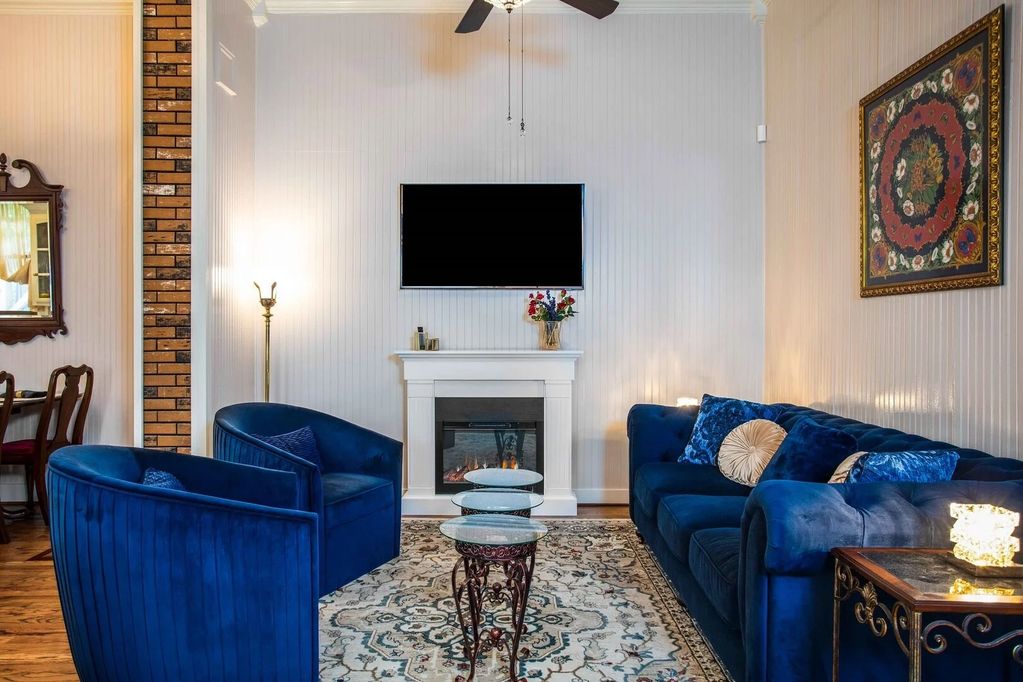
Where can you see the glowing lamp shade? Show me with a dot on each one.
(686, 401)
(982, 534)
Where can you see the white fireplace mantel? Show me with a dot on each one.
(488, 374)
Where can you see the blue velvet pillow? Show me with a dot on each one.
(922, 466)
(716, 419)
(301, 443)
(161, 479)
(811, 452)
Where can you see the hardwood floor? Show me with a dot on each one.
(33, 645)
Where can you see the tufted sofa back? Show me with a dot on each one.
(973, 464)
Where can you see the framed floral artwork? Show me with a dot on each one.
(931, 170)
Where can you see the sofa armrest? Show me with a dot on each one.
(795, 525)
(231, 445)
(657, 433)
(350, 448)
(230, 480)
(788, 531)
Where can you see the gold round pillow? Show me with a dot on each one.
(841, 474)
(748, 448)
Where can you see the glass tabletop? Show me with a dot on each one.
(503, 478)
(933, 577)
(497, 500)
(493, 529)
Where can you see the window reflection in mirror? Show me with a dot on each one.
(25, 264)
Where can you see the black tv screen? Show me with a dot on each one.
(478, 236)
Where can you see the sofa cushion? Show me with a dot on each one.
(158, 478)
(811, 452)
(347, 497)
(714, 561)
(748, 449)
(300, 442)
(717, 417)
(926, 466)
(659, 479)
(679, 516)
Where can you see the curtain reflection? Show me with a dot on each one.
(15, 256)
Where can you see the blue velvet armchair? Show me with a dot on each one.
(355, 492)
(217, 582)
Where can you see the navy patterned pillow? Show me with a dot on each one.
(922, 466)
(716, 419)
(161, 479)
(301, 443)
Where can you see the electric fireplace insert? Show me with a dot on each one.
(478, 433)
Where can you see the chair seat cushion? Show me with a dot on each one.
(18, 451)
(347, 497)
(714, 561)
(660, 479)
(679, 516)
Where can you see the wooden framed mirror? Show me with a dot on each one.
(30, 224)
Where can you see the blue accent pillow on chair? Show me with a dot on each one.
(716, 419)
(161, 479)
(923, 466)
(811, 452)
(301, 443)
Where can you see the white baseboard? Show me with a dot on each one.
(602, 495)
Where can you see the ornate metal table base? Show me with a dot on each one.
(906, 624)
(479, 590)
(525, 513)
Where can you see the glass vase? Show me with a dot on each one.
(550, 335)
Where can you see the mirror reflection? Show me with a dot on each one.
(25, 262)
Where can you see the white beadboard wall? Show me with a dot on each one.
(68, 109)
(656, 114)
(946, 365)
(232, 307)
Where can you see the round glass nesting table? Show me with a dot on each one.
(497, 501)
(503, 478)
(485, 542)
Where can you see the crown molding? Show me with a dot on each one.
(79, 7)
(748, 7)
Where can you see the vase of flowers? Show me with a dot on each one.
(549, 312)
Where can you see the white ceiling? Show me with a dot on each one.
(755, 7)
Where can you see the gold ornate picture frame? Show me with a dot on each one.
(931, 169)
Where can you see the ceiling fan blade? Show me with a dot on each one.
(474, 17)
(595, 8)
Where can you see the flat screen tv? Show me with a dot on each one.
(492, 236)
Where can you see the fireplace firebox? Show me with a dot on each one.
(478, 433)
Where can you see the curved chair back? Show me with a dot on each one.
(70, 424)
(6, 405)
(159, 585)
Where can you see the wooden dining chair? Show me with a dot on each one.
(6, 405)
(33, 453)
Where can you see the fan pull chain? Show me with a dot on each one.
(509, 66)
(522, 70)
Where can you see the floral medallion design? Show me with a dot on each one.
(599, 609)
(930, 161)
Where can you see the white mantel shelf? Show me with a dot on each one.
(488, 374)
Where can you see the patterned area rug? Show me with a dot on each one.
(599, 610)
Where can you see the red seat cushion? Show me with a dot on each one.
(18, 451)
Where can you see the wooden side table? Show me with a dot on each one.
(917, 583)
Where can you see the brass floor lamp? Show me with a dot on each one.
(267, 303)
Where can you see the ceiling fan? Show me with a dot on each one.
(479, 10)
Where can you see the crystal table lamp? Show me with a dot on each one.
(984, 543)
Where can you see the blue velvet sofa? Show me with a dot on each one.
(219, 582)
(752, 565)
(356, 492)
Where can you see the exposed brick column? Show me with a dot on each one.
(166, 214)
